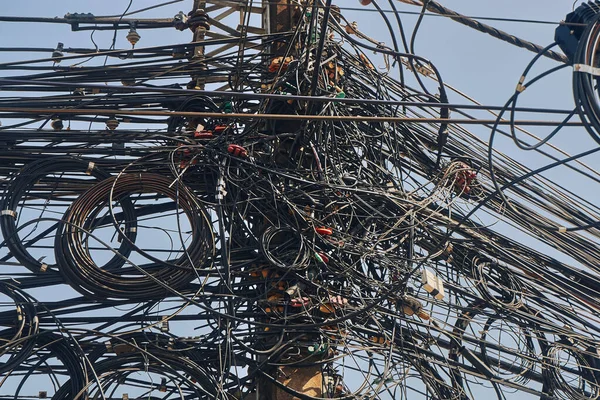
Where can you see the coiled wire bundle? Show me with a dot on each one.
(31, 182)
(19, 337)
(130, 281)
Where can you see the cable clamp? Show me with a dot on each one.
(221, 192)
(9, 212)
(90, 168)
(586, 69)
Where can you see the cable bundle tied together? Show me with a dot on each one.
(130, 281)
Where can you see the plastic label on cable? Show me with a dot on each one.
(90, 168)
(9, 212)
(586, 69)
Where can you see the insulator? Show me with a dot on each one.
(237, 151)
(280, 62)
(220, 128)
(324, 231)
(57, 54)
(57, 124)
(203, 134)
(411, 306)
(198, 18)
(180, 21)
(133, 37)
(322, 258)
(112, 124)
(79, 16)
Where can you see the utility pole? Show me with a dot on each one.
(198, 23)
(284, 16)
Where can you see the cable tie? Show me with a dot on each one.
(9, 212)
(586, 69)
(90, 168)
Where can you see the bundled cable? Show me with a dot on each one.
(130, 281)
(33, 181)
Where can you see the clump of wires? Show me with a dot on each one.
(251, 213)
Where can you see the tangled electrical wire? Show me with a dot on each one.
(271, 216)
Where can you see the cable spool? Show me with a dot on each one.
(85, 276)
(25, 182)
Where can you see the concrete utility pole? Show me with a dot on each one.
(278, 16)
(284, 16)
